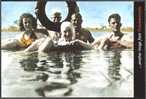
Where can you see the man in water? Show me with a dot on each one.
(56, 18)
(81, 33)
(116, 39)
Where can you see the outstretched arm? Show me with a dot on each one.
(35, 45)
(46, 45)
(127, 41)
(82, 43)
(127, 44)
(96, 42)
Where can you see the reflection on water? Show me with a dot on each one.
(57, 68)
(80, 73)
(29, 63)
(114, 66)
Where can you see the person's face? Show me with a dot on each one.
(56, 19)
(115, 25)
(76, 21)
(27, 23)
(67, 33)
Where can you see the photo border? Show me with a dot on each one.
(139, 51)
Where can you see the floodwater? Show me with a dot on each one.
(89, 73)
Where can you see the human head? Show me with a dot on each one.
(76, 20)
(56, 17)
(67, 31)
(114, 21)
(27, 21)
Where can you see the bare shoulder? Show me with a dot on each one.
(85, 31)
(52, 33)
(41, 33)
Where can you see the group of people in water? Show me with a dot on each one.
(71, 34)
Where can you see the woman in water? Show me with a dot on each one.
(66, 41)
(27, 25)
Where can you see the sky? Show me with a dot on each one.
(94, 13)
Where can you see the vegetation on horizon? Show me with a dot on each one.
(103, 29)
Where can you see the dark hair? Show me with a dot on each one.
(27, 15)
(56, 14)
(116, 16)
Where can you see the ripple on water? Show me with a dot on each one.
(82, 73)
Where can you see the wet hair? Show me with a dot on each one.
(116, 16)
(78, 15)
(27, 15)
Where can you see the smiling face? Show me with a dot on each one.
(27, 23)
(115, 25)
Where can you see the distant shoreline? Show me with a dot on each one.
(109, 30)
(90, 29)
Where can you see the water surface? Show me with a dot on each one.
(88, 73)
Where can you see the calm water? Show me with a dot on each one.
(81, 73)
